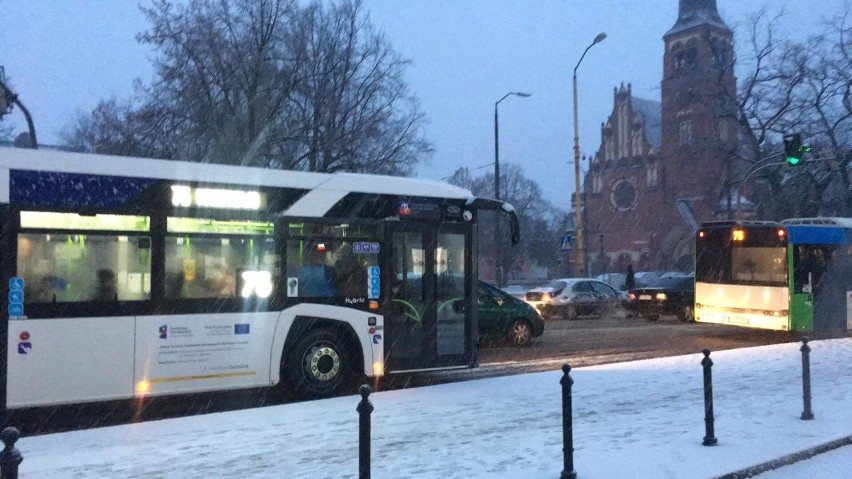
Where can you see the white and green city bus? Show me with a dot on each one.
(790, 276)
(129, 277)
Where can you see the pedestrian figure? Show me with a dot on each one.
(630, 279)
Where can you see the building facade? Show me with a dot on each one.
(665, 167)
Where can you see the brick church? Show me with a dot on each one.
(662, 167)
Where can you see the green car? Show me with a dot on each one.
(503, 315)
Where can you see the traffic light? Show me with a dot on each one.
(794, 150)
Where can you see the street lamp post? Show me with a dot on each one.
(581, 262)
(498, 261)
(9, 99)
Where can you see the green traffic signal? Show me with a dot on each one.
(794, 149)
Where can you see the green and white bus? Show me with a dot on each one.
(790, 276)
(130, 277)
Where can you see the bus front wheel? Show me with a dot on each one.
(321, 364)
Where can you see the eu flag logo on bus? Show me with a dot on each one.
(241, 328)
(164, 332)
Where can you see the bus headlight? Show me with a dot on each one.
(378, 369)
(661, 296)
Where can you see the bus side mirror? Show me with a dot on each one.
(458, 306)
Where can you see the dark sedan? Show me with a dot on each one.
(673, 295)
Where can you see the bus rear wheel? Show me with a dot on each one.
(321, 364)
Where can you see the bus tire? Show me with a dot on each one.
(323, 363)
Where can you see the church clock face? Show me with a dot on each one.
(623, 195)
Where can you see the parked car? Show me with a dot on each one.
(672, 294)
(572, 297)
(501, 314)
(516, 290)
(644, 278)
(616, 280)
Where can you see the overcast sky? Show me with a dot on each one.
(63, 57)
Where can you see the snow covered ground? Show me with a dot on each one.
(639, 419)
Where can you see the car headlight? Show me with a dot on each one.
(545, 297)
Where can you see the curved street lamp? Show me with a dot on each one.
(10, 98)
(498, 268)
(581, 262)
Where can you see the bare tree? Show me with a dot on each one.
(265, 83)
(352, 108)
(804, 87)
(542, 223)
(225, 71)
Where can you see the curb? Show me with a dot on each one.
(787, 460)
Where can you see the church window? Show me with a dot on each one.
(623, 196)
(651, 175)
(597, 183)
(679, 60)
(685, 133)
(691, 56)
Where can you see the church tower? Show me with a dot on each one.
(699, 121)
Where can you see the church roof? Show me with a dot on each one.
(652, 112)
(693, 13)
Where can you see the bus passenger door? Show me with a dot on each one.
(427, 320)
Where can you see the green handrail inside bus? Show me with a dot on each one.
(411, 312)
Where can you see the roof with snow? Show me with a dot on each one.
(652, 112)
(693, 13)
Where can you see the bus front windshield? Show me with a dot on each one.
(758, 261)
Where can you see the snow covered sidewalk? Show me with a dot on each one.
(641, 419)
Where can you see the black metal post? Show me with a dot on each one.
(568, 471)
(709, 435)
(10, 457)
(807, 414)
(365, 408)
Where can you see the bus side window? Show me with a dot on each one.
(70, 268)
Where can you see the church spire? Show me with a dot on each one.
(692, 13)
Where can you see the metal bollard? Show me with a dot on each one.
(10, 457)
(568, 471)
(709, 436)
(807, 414)
(365, 408)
